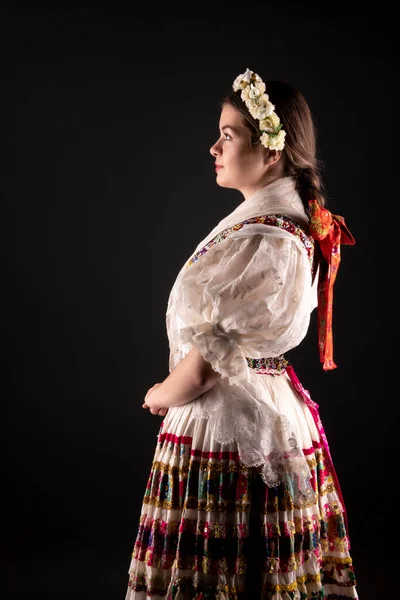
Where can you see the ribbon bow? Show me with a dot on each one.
(329, 231)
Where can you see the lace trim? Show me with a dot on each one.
(275, 365)
(264, 437)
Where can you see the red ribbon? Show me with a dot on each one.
(314, 409)
(329, 231)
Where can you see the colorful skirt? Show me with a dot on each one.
(211, 529)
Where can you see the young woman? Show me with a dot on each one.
(243, 501)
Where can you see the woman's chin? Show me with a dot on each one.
(220, 181)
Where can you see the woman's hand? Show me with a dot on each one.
(156, 411)
(153, 409)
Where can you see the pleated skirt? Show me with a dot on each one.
(210, 528)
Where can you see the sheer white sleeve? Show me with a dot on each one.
(248, 296)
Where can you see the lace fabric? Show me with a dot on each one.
(265, 437)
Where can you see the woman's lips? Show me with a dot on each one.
(218, 167)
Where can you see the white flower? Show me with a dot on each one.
(252, 107)
(265, 107)
(277, 142)
(271, 123)
(237, 84)
(245, 94)
(242, 80)
(247, 75)
(260, 85)
(264, 139)
(254, 92)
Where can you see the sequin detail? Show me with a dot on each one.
(275, 365)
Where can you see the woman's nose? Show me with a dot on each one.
(214, 149)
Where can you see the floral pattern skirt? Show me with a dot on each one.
(211, 529)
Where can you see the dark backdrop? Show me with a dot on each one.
(108, 115)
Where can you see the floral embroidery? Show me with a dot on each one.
(157, 586)
(272, 366)
(206, 544)
(275, 220)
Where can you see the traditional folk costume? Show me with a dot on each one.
(242, 500)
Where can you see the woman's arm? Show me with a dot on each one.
(192, 377)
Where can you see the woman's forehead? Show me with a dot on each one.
(230, 117)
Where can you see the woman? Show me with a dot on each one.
(242, 501)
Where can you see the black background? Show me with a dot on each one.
(108, 114)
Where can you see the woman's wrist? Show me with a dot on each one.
(169, 394)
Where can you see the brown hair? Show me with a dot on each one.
(300, 142)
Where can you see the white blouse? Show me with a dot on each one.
(247, 292)
(250, 295)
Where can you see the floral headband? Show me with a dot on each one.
(259, 106)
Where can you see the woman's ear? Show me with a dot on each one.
(272, 156)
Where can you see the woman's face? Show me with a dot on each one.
(239, 164)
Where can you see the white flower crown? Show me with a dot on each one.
(259, 106)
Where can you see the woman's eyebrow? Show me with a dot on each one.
(234, 129)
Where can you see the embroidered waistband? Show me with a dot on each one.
(275, 365)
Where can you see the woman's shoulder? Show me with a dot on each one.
(266, 230)
(273, 227)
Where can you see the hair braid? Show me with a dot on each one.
(309, 186)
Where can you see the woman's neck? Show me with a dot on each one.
(250, 191)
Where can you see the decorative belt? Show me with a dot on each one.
(275, 365)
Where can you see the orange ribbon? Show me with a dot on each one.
(329, 231)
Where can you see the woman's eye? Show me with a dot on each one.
(227, 136)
